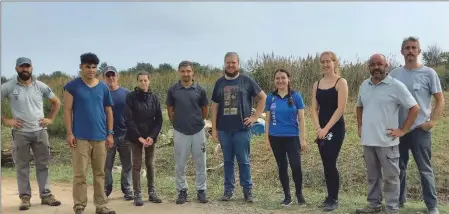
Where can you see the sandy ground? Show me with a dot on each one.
(63, 192)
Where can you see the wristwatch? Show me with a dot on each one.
(110, 132)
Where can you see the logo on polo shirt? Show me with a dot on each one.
(15, 93)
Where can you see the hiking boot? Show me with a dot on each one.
(368, 209)
(50, 200)
(182, 197)
(286, 202)
(331, 205)
(433, 211)
(138, 199)
(227, 195)
(25, 203)
(128, 196)
(104, 210)
(201, 195)
(300, 200)
(152, 196)
(248, 195)
(79, 211)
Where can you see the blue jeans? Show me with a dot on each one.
(419, 142)
(236, 144)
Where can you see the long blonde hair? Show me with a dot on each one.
(334, 59)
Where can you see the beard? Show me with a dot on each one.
(231, 74)
(381, 74)
(24, 75)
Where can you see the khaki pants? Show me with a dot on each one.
(88, 151)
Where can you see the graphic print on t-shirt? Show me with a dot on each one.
(231, 100)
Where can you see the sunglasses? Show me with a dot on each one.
(110, 74)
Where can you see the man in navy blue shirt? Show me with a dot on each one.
(231, 121)
(88, 119)
(121, 145)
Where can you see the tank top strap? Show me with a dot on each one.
(337, 82)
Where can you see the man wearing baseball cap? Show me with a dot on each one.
(29, 130)
(118, 93)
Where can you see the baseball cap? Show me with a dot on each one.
(23, 60)
(108, 69)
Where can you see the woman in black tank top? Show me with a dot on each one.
(328, 104)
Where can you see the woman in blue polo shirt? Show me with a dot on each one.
(284, 134)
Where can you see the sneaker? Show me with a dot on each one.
(138, 199)
(201, 195)
(128, 196)
(433, 211)
(368, 210)
(182, 197)
(286, 202)
(104, 210)
(79, 211)
(227, 195)
(332, 205)
(152, 196)
(50, 200)
(325, 203)
(25, 203)
(248, 195)
(300, 200)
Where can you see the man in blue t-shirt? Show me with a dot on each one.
(231, 121)
(121, 145)
(88, 119)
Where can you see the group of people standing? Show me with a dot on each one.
(394, 116)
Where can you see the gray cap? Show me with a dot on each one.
(109, 69)
(23, 60)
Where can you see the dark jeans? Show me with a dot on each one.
(282, 148)
(122, 146)
(236, 144)
(419, 142)
(329, 151)
(136, 148)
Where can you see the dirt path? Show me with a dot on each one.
(10, 202)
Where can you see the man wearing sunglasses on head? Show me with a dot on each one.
(118, 93)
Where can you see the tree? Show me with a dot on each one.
(165, 67)
(433, 56)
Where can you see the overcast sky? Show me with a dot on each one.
(55, 34)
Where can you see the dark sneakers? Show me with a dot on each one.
(182, 197)
(300, 200)
(286, 202)
(201, 195)
(138, 199)
(227, 195)
(128, 196)
(152, 196)
(248, 195)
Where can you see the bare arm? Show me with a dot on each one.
(55, 106)
(68, 104)
(214, 115)
(316, 121)
(171, 113)
(342, 88)
(359, 116)
(302, 125)
(260, 104)
(267, 125)
(109, 117)
(204, 110)
(439, 107)
(411, 117)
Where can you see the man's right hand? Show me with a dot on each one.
(13, 123)
(215, 135)
(71, 140)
